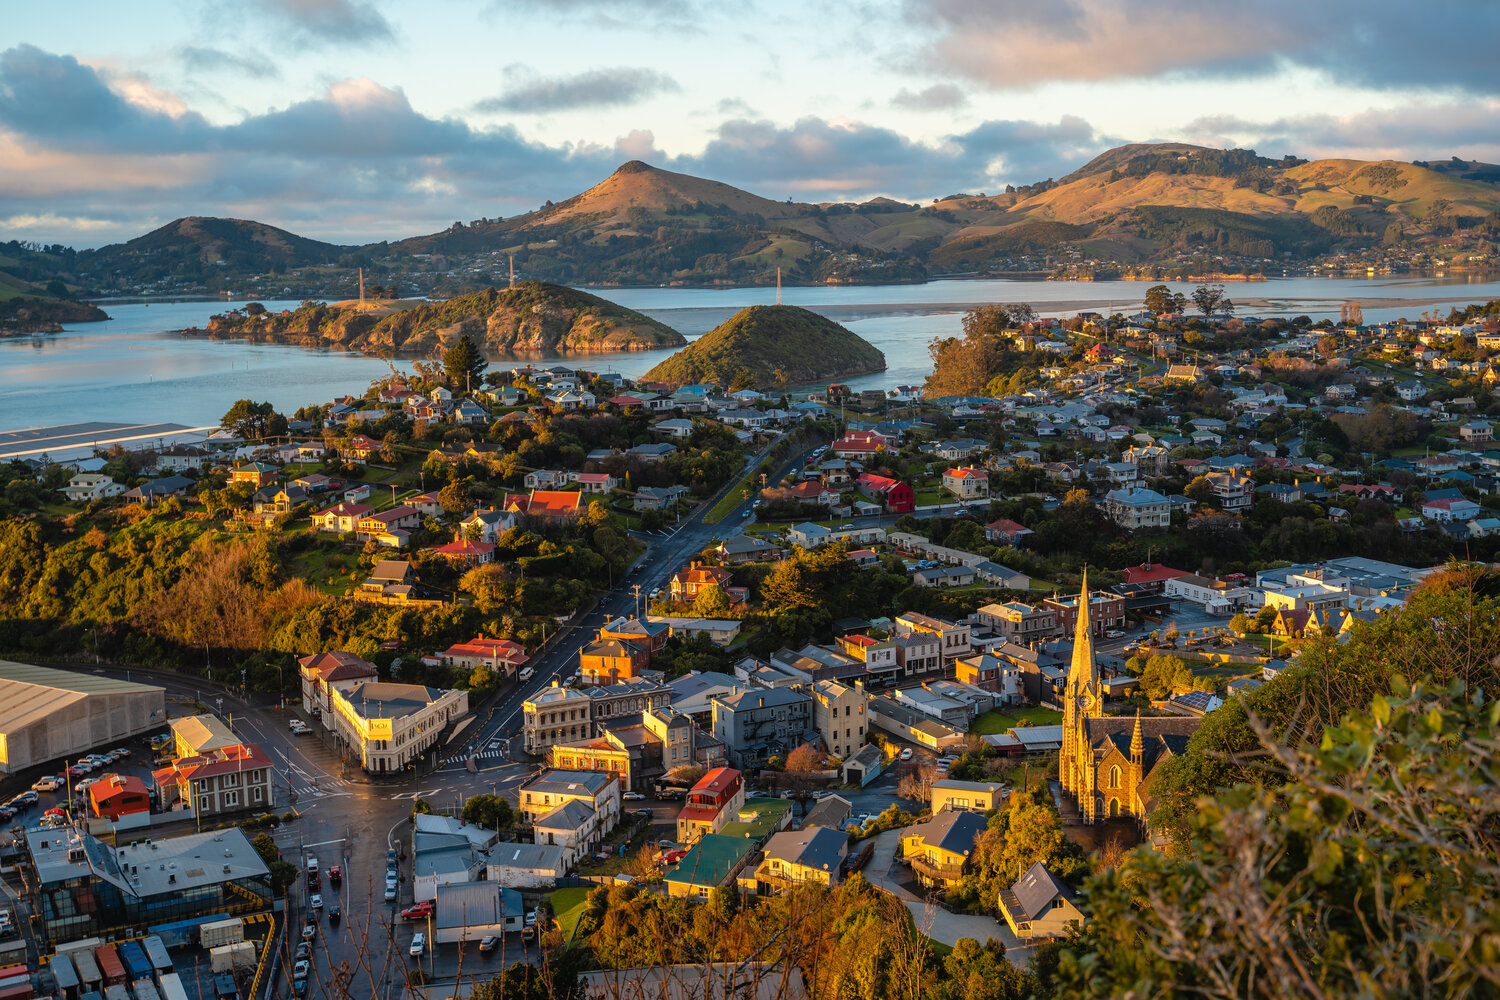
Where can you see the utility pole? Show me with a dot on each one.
(635, 589)
(778, 284)
(512, 270)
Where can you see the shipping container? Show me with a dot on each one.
(65, 976)
(137, 965)
(156, 953)
(14, 980)
(18, 971)
(228, 957)
(221, 932)
(144, 989)
(171, 987)
(89, 977)
(110, 966)
(116, 992)
(90, 995)
(21, 991)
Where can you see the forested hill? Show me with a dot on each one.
(771, 347)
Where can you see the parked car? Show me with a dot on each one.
(309, 931)
(390, 893)
(906, 754)
(418, 911)
(299, 987)
(315, 902)
(531, 918)
(47, 783)
(632, 796)
(304, 950)
(489, 944)
(418, 944)
(301, 969)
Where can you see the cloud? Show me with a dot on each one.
(321, 22)
(248, 62)
(938, 97)
(1422, 129)
(1381, 44)
(597, 88)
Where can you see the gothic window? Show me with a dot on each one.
(1114, 776)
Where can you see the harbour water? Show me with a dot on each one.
(134, 369)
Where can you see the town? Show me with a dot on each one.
(488, 665)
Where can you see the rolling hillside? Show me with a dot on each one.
(771, 347)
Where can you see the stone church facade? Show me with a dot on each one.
(1108, 761)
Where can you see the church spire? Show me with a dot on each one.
(1137, 747)
(1084, 670)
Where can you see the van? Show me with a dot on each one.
(526, 674)
(312, 866)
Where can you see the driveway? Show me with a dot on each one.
(936, 922)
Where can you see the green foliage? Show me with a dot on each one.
(1161, 675)
(763, 346)
(493, 812)
(253, 421)
(969, 365)
(464, 364)
(1367, 874)
(1160, 299)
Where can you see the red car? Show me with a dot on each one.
(418, 911)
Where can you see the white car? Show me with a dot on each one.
(301, 969)
(390, 893)
(632, 796)
(315, 901)
(47, 784)
(906, 754)
(418, 944)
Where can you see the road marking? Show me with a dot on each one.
(325, 843)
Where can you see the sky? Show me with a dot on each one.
(359, 120)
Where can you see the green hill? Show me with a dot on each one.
(771, 347)
(531, 318)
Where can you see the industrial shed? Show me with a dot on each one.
(47, 714)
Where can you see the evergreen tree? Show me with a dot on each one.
(464, 365)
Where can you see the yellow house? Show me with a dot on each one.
(976, 796)
(200, 735)
(1040, 905)
(814, 854)
(939, 848)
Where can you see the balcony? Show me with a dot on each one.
(930, 872)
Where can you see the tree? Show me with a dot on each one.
(914, 781)
(464, 364)
(1241, 624)
(1163, 675)
(1265, 618)
(711, 602)
(1210, 299)
(493, 812)
(1358, 877)
(250, 420)
(804, 759)
(1161, 300)
(456, 498)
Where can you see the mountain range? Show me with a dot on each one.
(1132, 207)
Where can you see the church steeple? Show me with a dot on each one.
(1137, 746)
(1082, 700)
(1084, 669)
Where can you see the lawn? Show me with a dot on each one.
(734, 496)
(995, 723)
(569, 905)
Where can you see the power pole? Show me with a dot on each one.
(778, 284)
(361, 286)
(512, 270)
(635, 589)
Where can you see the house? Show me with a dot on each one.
(839, 716)
(573, 810)
(859, 444)
(341, 518)
(546, 504)
(676, 427)
(967, 483)
(465, 553)
(373, 524)
(156, 489)
(1151, 576)
(86, 486)
(321, 672)
(184, 457)
(525, 866)
(595, 482)
(1133, 508)
(812, 492)
(943, 576)
(489, 524)
(1451, 510)
(939, 848)
(391, 579)
(974, 796)
(953, 637)
(1410, 391)
(222, 780)
(813, 854)
(607, 661)
(714, 801)
(1040, 905)
(652, 452)
(758, 724)
(504, 656)
(257, 474)
(896, 496)
(688, 581)
(1006, 532)
(659, 497)
(1233, 491)
(544, 479)
(746, 549)
(115, 796)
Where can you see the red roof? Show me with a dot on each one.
(465, 547)
(496, 649)
(594, 477)
(229, 760)
(337, 666)
(1007, 526)
(717, 781)
(355, 510)
(882, 483)
(115, 785)
(966, 473)
(545, 502)
(1152, 573)
(626, 401)
(807, 490)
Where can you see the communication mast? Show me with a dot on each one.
(778, 285)
(513, 270)
(361, 286)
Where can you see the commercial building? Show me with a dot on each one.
(553, 715)
(48, 714)
(222, 780)
(571, 809)
(116, 797)
(195, 735)
(85, 888)
(321, 673)
(1018, 622)
(526, 866)
(388, 726)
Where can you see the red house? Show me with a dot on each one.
(896, 495)
(117, 796)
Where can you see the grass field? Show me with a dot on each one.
(569, 905)
(995, 723)
(735, 497)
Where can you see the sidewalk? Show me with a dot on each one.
(936, 922)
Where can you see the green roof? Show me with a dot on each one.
(711, 860)
(768, 813)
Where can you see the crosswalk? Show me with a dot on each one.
(310, 789)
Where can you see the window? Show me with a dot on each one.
(1114, 776)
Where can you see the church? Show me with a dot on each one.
(1108, 761)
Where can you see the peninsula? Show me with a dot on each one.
(532, 317)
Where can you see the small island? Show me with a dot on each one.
(32, 314)
(771, 347)
(532, 317)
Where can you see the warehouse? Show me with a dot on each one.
(48, 714)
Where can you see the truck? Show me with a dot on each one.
(137, 965)
(170, 987)
(219, 932)
(110, 967)
(156, 953)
